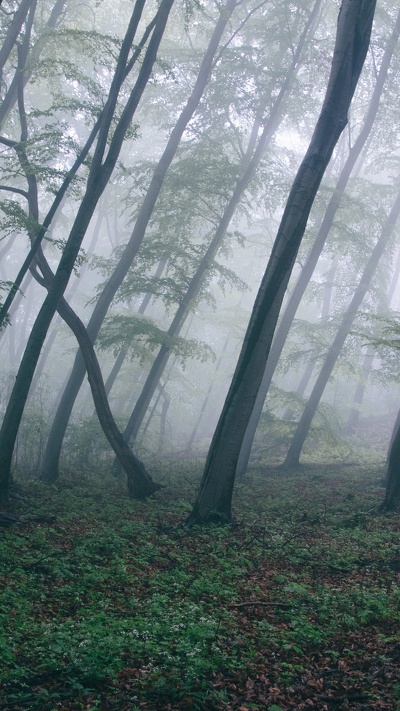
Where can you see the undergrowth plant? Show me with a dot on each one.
(109, 601)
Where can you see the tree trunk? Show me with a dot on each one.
(312, 259)
(293, 455)
(54, 443)
(354, 416)
(214, 500)
(103, 120)
(14, 29)
(251, 161)
(140, 483)
(10, 97)
(99, 174)
(392, 495)
(163, 423)
(309, 369)
(207, 397)
(125, 349)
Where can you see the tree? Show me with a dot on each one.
(246, 171)
(293, 454)
(102, 165)
(295, 297)
(352, 40)
(392, 494)
(60, 422)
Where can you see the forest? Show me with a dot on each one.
(199, 336)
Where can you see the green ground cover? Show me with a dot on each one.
(107, 603)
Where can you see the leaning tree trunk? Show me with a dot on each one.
(193, 434)
(293, 454)
(100, 171)
(118, 363)
(312, 259)
(251, 160)
(14, 29)
(214, 499)
(309, 369)
(354, 416)
(392, 495)
(21, 77)
(26, 63)
(52, 453)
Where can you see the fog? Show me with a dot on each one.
(254, 77)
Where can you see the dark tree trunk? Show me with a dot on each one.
(392, 495)
(54, 443)
(14, 29)
(293, 455)
(312, 259)
(102, 121)
(214, 500)
(140, 484)
(26, 67)
(99, 174)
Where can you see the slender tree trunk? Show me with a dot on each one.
(103, 120)
(309, 369)
(352, 423)
(10, 97)
(214, 499)
(207, 397)
(392, 495)
(13, 31)
(315, 252)
(163, 423)
(140, 484)
(293, 455)
(354, 416)
(51, 337)
(54, 443)
(23, 330)
(251, 161)
(99, 175)
(125, 349)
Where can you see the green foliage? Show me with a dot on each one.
(112, 600)
(133, 331)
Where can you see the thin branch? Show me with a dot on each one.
(232, 37)
(10, 189)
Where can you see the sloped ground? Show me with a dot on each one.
(107, 603)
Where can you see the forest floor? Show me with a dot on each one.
(107, 603)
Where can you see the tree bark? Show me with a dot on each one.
(392, 494)
(214, 500)
(14, 29)
(312, 259)
(293, 454)
(54, 443)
